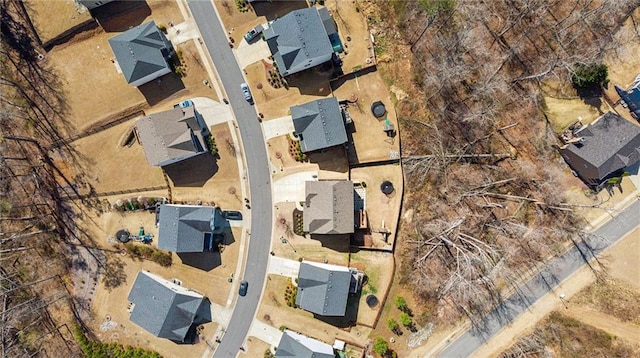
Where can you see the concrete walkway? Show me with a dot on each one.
(251, 53)
(291, 187)
(212, 112)
(220, 315)
(265, 333)
(283, 267)
(277, 127)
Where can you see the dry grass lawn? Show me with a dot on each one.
(353, 24)
(603, 201)
(110, 166)
(377, 266)
(371, 143)
(275, 102)
(238, 23)
(65, 13)
(255, 348)
(564, 112)
(380, 207)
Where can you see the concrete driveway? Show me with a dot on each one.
(250, 53)
(277, 127)
(291, 187)
(212, 111)
(283, 267)
(265, 333)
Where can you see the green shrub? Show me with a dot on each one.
(98, 349)
(401, 304)
(393, 325)
(406, 320)
(589, 75)
(211, 143)
(380, 346)
(162, 28)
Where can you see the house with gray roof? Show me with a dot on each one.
(328, 207)
(300, 39)
(172, 136)
(188, 228)
(631, 97)
(323, 289)
(142, 53)
(319, 124)
(92, 4)
(295, 345)
(163, 308)
(603, 149)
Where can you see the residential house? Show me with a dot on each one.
(163, 308)
(143, 53)
(328, 207)
(603, 149)
(92, 4)
(172, 136)
(319, 124)
(631, 97)
(301, 40)
(189, 228)
(295, 345)
(323, 289)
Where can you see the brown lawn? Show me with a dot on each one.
(65, 13)
(378, 266)
(371, 143)
(110, 166)
(255, 347)
(381, 207)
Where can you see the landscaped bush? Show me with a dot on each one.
(290, 294)
(99, 350)
(298, 225)
(242, 5)
(149, 253)
(296, 151)
(211, 144)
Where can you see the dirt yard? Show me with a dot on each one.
(334, 249)
(65, 12)
(370, 141)
(275, 102)
(623, 61)
(208, 178)
(380, 207)
(274, 306)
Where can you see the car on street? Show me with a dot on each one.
(243, 288)
(246, 92)
(232, 215)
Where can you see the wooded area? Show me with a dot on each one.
(486, 187)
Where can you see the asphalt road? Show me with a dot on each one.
(555, 272)
(230, 74)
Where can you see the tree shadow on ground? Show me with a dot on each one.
(162, 88)
(338, 243)
(277, 8)
(119, 16)
(350, 316)
(113, 274)
(591, 96)
(205, 261)
(312, 82)
(192, 172)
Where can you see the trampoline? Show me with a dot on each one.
(386, 187)
(378, 109)
(123, 236)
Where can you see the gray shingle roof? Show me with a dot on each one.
(323, 289)
(183, 227)
(295, 345)
(319, 124)
(328, 207)
(298, 41)
(632, 98)
(163, 308)
(171, 136)
(610, 143)
(141, 51)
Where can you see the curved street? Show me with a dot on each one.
(255, 152)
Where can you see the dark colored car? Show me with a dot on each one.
(253, 33)
(243, 288)
(232, 215)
